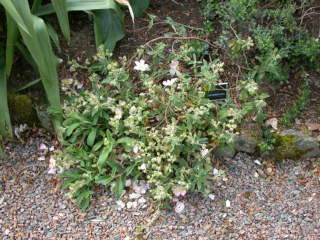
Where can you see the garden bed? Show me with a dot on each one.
(253, 197)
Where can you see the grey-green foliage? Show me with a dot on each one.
(281, 44)
(149, 125)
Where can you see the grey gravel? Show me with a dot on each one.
(282, 202)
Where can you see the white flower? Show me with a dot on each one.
(79, 85)
(204, 152)
(143, 166)
(42, 158)
(252, 87)
(133, 109)
(179, 207)
(51, 149)
(141, 66)
(215, 172)
(118, 113)
(136, 149)
(174, 68)
(169, 82)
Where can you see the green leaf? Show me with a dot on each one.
(108, 28)
(91, 137)
(119, 187)
(104, 180)
(26, 55)
(54, 36)
(113, 163)
(12, 36)
(139, 6)
(71, 128)
(97, 146)
(104, 156)
(27, 85)
(60, 7)
(126, 140)
(83, 198)
(11, 8)
(77, 5)
(5, 122)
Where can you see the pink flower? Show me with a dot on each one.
(43, 147)
(174, 68)
(179, 191)
(52, 170)
(52, 166)
(179, 207)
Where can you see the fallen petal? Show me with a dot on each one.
(43, 147)
(179, 207)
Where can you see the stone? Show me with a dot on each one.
(292, 144)
(244, 143)
(45, 119)
(224, 151)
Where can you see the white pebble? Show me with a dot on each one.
(134, 195)
(215, 172)
(120, 204)
(257, 162)
(128, 183)
(129, 204)
(211, 196)
(228, 204)
(142, 200)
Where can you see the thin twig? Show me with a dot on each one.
(163, 22)
(306, 13)
(181, 4)
(181, 38)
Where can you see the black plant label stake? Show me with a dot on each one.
(220, 93)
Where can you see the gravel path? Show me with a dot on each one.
(266, 202)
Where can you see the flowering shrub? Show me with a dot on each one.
(152, 123)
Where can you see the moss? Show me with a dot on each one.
(285, 147)
(22, 110)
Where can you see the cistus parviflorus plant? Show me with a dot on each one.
(31, 35)
(152, 122)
